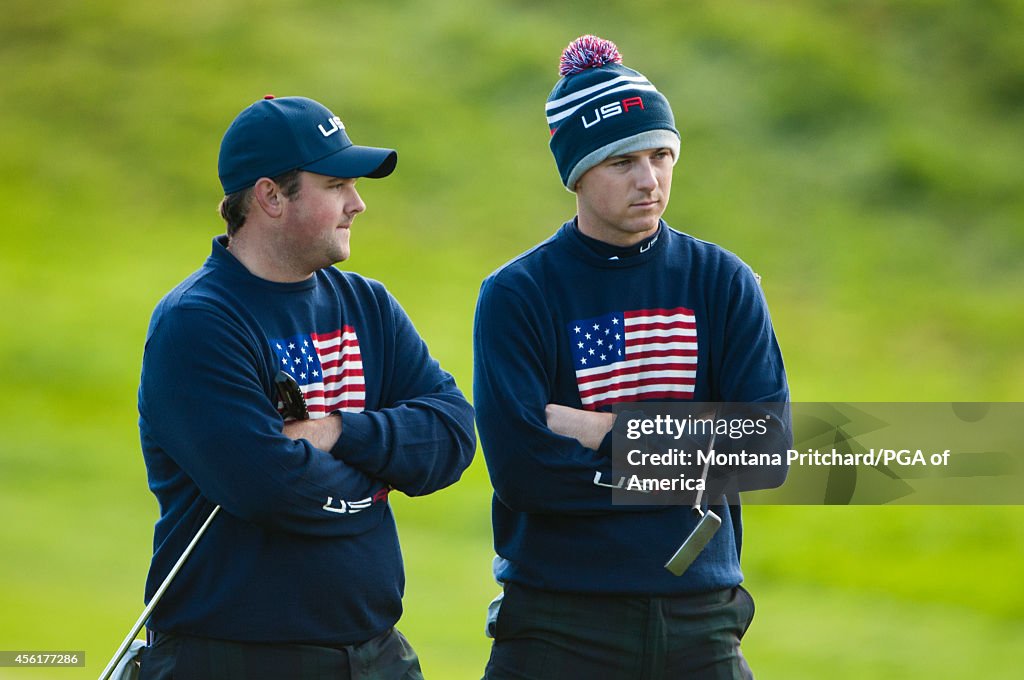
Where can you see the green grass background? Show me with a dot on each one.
(865, 157)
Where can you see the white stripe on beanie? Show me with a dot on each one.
(594, 88)
(568, 112)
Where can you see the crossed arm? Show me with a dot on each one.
(203, 406)
(322, 433)
(587, 427)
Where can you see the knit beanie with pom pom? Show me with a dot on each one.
(601, 108)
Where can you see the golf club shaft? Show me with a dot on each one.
(698, 502)
(156, 597)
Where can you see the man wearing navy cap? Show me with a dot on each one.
(614, 308)
(301, 575)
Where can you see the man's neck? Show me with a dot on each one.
(264, 261)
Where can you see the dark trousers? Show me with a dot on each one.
(180, 657)
(540, 635)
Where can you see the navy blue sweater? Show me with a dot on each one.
(554, 527)
(305, 549)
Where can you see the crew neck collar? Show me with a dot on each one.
(610, 255)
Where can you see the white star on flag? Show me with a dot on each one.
(330, 373)
(654, 357)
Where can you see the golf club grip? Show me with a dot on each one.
(148, 611)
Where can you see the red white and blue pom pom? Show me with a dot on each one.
(588, 51)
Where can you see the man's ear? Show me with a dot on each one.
(269, 197)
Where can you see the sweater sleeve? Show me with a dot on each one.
(203, 402)
(532, 469)
(751, 378)
(422, 437)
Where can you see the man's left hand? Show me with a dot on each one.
(586, 427)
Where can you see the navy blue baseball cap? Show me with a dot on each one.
(279, 134)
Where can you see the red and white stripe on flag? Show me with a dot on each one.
(343, 386)
(637, 355)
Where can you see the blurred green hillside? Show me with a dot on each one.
(864, 157)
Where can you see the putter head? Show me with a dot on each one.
(694, 543)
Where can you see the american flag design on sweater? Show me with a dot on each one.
(635, 355)
(328, 368)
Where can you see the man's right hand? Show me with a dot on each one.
(587, 427)
(323, 433)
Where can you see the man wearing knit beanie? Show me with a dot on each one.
(615, 308)
(600, 109)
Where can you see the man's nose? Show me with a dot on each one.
(646, 177)
(356, 205)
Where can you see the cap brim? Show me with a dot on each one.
(356, 161)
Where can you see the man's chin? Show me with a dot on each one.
(644, 226)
